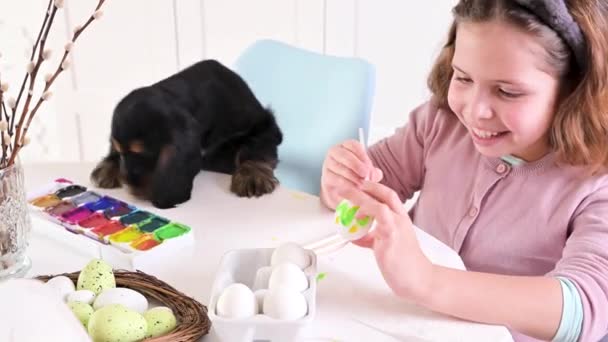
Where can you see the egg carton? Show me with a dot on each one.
(242, 266)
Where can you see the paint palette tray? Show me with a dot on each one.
(116, 231)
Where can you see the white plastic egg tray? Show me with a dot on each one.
(241, 266)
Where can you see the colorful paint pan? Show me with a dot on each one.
(145, 242)
(171, 231)
(46, 201)
(135, 217)
(129, 234)
(70, 191)
(86, 197)
(102, 218)
(60, 208)
(93, 221)
(118, 211)
(76, 215)
(107, 229)
(152, 224)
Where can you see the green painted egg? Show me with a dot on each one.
(161, 321)
(96, 276)
(115, 323)
(82, 310)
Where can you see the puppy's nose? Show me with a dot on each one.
(136, 171)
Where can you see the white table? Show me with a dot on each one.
(353, 301)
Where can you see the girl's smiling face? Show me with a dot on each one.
(501, 90)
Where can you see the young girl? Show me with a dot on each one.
(510, 158)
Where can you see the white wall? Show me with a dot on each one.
(140, 41)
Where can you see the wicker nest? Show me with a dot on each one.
(192, 319)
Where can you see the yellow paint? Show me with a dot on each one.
(298, 195)
(128, 234)
(46, 201)
(353, 229)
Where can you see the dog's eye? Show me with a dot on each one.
(137, 147)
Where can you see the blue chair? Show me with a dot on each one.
(318, 100)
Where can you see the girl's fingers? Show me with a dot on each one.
(369, 206)
(337, 182)
(343, 170)
(352, 162)
(376, 175)
(358, 150)
(367, 241)
(385, 195)
(338, 171)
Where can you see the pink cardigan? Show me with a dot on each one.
(534, 219)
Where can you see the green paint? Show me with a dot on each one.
(346, 215)
(350, 215)
(321, 276)
(342, 207)
(171, 231)
(363, 222)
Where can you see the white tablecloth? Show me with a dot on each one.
(353, 301)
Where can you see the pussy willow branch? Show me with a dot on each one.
(19, 137)
(5, 149)
(33, 73)
(25, 78)
(2, 109)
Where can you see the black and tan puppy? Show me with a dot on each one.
(204, 117)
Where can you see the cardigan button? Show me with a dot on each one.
(501, 168)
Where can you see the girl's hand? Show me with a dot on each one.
(405, 268)
(345, 166)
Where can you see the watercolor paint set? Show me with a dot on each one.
(109, 222)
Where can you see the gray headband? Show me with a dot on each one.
(555, 14)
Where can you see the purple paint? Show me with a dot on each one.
(118, 211)
(76, 215)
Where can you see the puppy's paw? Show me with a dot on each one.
(106, 175)
(253, 178)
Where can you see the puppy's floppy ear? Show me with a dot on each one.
(178, 164)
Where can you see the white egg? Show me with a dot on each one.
(349, 226)
(285, 303)
(290, 252)
(288, 275)
(262, 276)
(236, 301)
(84, 296)
(130, 299)
(62, 285)
(259, 298)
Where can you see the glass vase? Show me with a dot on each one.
(15, 223)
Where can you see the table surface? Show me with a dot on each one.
(353, 301)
